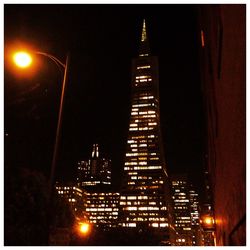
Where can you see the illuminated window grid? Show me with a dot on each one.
(102, 208)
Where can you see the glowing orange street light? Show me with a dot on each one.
(208, 220)
(22, 59)
(84, 228)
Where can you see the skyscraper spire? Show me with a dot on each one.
(144, 45)
(144, 33)
(95, 151)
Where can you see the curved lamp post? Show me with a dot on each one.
(24, 60)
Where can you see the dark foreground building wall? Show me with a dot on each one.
(223, 76)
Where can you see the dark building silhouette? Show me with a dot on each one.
(223, 76)
(145, 193)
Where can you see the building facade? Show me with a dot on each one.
(102, 208)
(144, 194)
(222, 30)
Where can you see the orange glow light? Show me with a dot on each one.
(202, 39)
(208, 220)
(84, 228)
(22, 59)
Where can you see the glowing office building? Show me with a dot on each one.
(182, 212)
(102, 208)
(144, 194)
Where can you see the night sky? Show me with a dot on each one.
(101, 40)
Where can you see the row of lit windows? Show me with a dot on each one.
(143, 77)
(178, 182)
(123, 203)
(141, 208)
(144, 67)
(183, 217)
(103, 194)
(140, 122)
(137, 154)
(135, 112)
(184, 221)
(102, 209)
(102, 217)
(140, 136)
(141, 105)
(143, 139)
(143, 119)
(145, 178)
(68, 188)
(146, 219)
(146, 97)
(181, 200)
(143, 168)
(147, 122)
(100, 204)
(152, 225)
(141, 129)
(135, 163)
(181, 207)
(144, 197)
(145, 214)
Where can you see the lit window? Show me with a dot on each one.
(131, 197)
(133, 125)
(131, 163)
(144, 67)
(152, 123)
(151, 112)
(142, 77)
(163, 224)
(131, 208)
(155, 225)
(131, 224)
(133, 129)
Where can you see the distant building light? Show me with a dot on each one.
(202, 39)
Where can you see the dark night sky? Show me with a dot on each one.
(102, 40)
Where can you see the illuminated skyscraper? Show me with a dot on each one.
(144, 196)
(94, 172)
(186, 213)
(182, 212)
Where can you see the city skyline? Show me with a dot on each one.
(97, 96)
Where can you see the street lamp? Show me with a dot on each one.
(84, 228)
(23, 59)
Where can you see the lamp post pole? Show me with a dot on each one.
(59, 121)
(58, 129)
